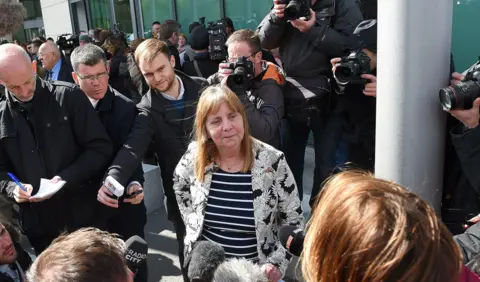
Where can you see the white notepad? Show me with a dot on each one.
(47, 188)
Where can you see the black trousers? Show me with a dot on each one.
(179, 226)
(326, 136)
(130, 221)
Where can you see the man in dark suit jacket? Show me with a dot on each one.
(169, 32)
(56, 65)
(117, 114)
(200, 65)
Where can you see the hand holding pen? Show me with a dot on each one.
(22, 192)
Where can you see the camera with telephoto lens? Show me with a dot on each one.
(243, 72)
(296, 9)
(351, 67)
(217, 32)
(461, 96)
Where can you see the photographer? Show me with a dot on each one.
(260, 87)
(357, 92)
(462, 181)
(309, 33)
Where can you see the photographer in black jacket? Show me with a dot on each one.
(307, 43)
(356, 101)
(462, 182)
(262, 93)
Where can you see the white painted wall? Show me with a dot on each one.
(56, 17)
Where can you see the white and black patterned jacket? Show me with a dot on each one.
(275, 203)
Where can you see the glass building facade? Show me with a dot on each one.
(136, 16)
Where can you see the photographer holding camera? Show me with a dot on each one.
(309, 33)
(357, 89)
(257, 83)
(461, 201)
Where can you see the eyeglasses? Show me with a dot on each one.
(234, 59)
(40, 55)
(92, 78)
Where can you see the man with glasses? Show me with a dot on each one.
(117, 114)
(263, 100)
(49, 131)
(56, 65)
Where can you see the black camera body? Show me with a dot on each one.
(461, 96)
(67, 44)
(296, 9)
(217, 38)
(350, 69)
(243, 72)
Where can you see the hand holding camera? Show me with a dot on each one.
(470, 118)
(293, 10)
(224, 71)
(304, 25)
(279, 8)
(370, 80)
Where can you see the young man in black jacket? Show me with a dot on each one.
(50, 131)
(166, 116)
(306, 47)
(169, 32)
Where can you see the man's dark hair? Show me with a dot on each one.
(168, 29)
(247, 36)
(37, 43)
(192, 26)
(156, 22)
(96, 33)
(228, 22)
(88, 254)
(50, 39)
(11, 229)
(88, 54)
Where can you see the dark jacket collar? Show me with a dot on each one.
(106, 103)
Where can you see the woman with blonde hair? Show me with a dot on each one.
(234, 190)
(368, 229)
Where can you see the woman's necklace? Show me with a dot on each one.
(230, 167)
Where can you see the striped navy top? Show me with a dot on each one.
(229, 218)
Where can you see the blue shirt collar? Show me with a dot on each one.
(56, 69)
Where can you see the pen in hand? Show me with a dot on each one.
(14, 179)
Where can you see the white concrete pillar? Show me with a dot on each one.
(56, 17)
(414, 42)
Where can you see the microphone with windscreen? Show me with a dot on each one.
(205, 258)
(136, 250)
(292, 239)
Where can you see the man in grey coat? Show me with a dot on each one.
(306, 47)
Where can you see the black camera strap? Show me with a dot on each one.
(197, 68)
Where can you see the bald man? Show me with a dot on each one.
(49, 131)
(56, 65)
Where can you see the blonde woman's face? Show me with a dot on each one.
(225, 128)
